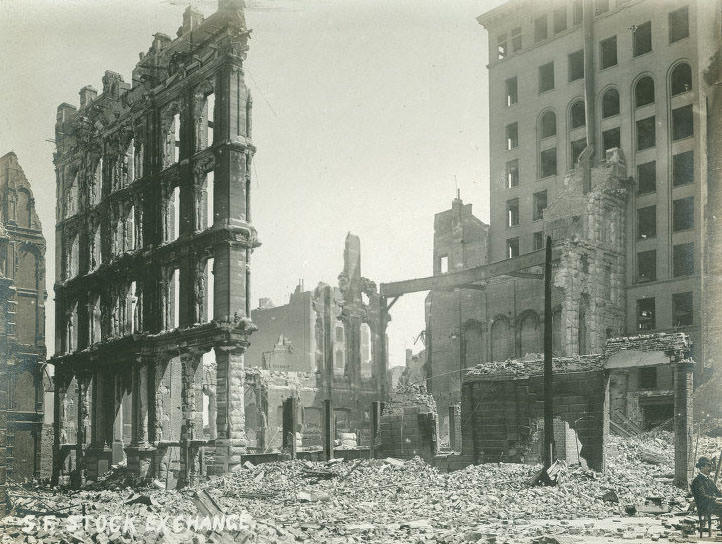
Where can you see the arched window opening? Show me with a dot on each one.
(578, 118)
(530, 334)
(644, 92)
(681, 79)
(610, 103)
(548, 124)
(366, 349)
(502, 346)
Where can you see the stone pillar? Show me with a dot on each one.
(289, 426)
(140, 452)
(117, 415)
(191, 433)
(683, 411)
(452, 426)
(61, 388)
(99, 453)
(83, 380)
(375, 425)
(230, 417)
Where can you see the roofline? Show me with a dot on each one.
(492, 15)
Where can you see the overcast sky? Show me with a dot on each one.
(365, 113)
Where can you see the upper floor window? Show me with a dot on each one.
(682, 309)
(647, 266)
(681, 79)
(644, 92)
(682, 122)
(577, 147)
(512, 95)
(512, 136)
(577, 12)
(546, 77)
(541, 32)
(576, 65)
(683, 214)
(647, 177)
(610, 103)
(645, 314)
(444, 264)
(611, 139)
(646, 133)
(608, 52)
(501, 46)
(548, 124)
(512, 173)
(647, 222)
(678, 24)
(683, 259)
(560, 19)
(516, 39)
(683, 168)
(512, 248)
(577, 114)
(642, 38)
(540, 204)
(548, 160)
(512, 212)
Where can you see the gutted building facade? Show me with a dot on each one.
(153, 239)
(22, 322)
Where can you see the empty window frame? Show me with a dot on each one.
(577, 114)
(175, 212)
(647, 266)
(683, 168)
(133, 318)
(683, 259)
(548, 162)
(512, 248)
(560, 19)
(647, 177)
(610, 103)
(548, 124)
(682, 309)
(645, 314)
(538, 240)
(210, 288)
(209, 197)
(174, 286)
(546, 77)
(541, 31)
(512, 174)
(176, 137)
(648, 377)
(512, 212)
(540, 204)
(681, 79)
(647, 222)
(611, 139)
(644, 92)
(516, 39)
(642, 38)
(576, 65)
(683, 214)
(512, 95)
(608, 52)
(210, 118)
(646, 135)
(678, 24)
(577, 146)
(501, 46)
(682, 122)
(512, 136)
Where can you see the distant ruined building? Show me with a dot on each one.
(22, 324)
(153, 241)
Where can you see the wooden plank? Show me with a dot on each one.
(462, 278)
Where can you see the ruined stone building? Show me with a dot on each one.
(153, 240)
(22, 322)
(329, 343)
(604, 148)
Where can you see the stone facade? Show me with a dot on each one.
(153, 240)
(22, 321)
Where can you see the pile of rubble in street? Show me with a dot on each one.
(389, 500)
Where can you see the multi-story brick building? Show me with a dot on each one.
(570, 79)
(22, 321)
(153, 240)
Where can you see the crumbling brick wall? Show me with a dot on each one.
(409, 424)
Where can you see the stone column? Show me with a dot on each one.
(118, 393)
(61, 389)
(230, 417)
(83, 380)
(683, 412)
(191, 433)
(99, 453)
(140, 452)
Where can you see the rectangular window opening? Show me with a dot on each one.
(210, 195)
(512, 212)
(577, 147)
(540, 204)
(546, 77)
(678, 24)
(682, 122)
(647, 266)
(176, 137)
(647, 177)
(577, 12)
(512, 96)
(611, 139)
(512, 174)
(683, 259)
(512, 248)
(647, 222)
(683, 214)
(560, 19)
(549, 162)
(608, 52)
(648, 377)
(645, 314)
(541, 32)
(516, 39)
(538, 240)
(210, 288)
(512, 136)
(175, 212)
(175, 293)
(210, 116)
(683, 168)
(682, 309)
(444, 264)
(576, 65)
(501, 46)
(646, 135)
(642, 38)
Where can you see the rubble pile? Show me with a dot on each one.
(529, 366)
(408, 396)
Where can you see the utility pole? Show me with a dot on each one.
(548, 393)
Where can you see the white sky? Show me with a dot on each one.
(365, 111)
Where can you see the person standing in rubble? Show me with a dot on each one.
(706, 495)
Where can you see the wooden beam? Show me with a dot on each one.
(469, 276)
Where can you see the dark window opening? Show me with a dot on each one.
(644, 92)
(512, 248)
(647, 222)
(538, 240)
(610, 103)
(512, 96)
(611, 138)
(548, 124)
(541, 31)
(512, 174)
(560, 19)
(647, 177)
(678, 24)
(501, 46)
(682, 309)
(608, 52)
(546, 77)
(645, 314)
(516, 39)
(647, 266)
(540, 204)
(578, 116)
(683, 260)
(577, 148)
(548, 162)
(646, 136)
(648, 377)
(682, 123)
(512, 136)
(681, 79)
(577, 12)
(576, 65)
(683, 168)
(683, 214)
(642, 38)
(600, 6)
(512, 212)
